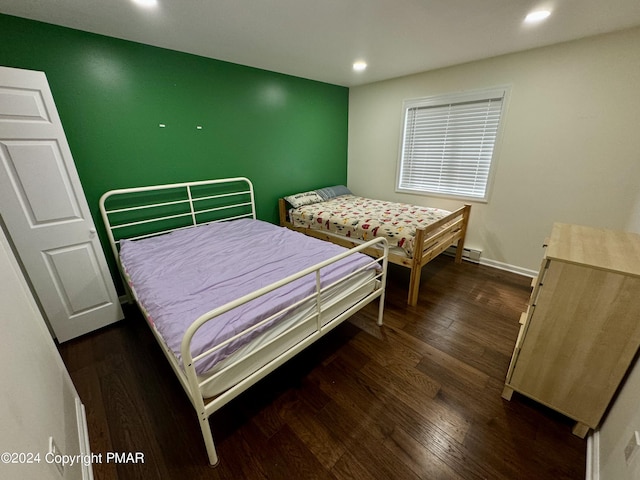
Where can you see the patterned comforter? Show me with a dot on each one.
(364, 218)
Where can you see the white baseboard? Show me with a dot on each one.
(83, 437)
(593, 456)
(475, 256)
(509, 268)
(124, 300)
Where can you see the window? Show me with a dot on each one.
(448, 144)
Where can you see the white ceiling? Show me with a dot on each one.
(321, 39)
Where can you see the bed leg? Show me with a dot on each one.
(414, 285)
(416, 268)
(459, 250)
(381, 309)
(208, 441)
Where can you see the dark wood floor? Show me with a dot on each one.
(417, 398)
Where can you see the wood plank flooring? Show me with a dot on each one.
(418, 398)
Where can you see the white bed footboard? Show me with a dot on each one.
(299, 324)
(322, 325)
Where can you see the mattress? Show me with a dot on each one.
(179, 276)
(286, 334)
(364, 218)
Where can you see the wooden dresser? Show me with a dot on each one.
(581, 330)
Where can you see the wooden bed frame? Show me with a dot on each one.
(322, 318)
(434, 238)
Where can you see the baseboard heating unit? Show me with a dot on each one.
(468, 254)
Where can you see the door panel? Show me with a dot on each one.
(35, 167)
(75, 269)
(44, 208)
(22, 105)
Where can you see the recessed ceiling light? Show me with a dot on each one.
(146, 3)
(537, 16)
(359, 66)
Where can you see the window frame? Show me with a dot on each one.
(447, 99)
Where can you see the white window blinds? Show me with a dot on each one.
(448, 144)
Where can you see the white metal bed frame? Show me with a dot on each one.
(186, 373)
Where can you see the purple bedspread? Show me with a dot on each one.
(184, 274)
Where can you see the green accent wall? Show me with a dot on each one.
(286, 134)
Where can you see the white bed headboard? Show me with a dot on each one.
(140, 212)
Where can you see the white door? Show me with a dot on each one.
(44, 209)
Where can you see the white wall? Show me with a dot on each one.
(570, 150)
(36, 394)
